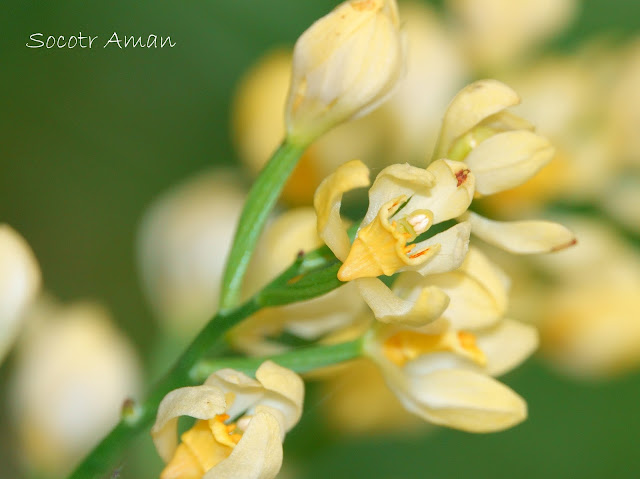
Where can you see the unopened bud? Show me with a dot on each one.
(344, 66)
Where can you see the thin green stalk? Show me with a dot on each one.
(261, 200)
(139, 417)
(300, 360)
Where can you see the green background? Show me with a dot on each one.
(89, 137)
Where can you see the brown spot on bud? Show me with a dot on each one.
(295, 279)
(571, 243)
(462, 175)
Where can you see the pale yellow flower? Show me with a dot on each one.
(73, 372)
(404, 203)
(496, 32)
(182, 244)
(502, 152)
(344, 65)
(445, 377)
(19, 284)
(241, 424)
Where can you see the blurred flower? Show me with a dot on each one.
(73, 372)
(344, 65)
(404, 202)
(240, 429)
(502, 152)
(436, 70)
(182, 245)
(19, 283)
(289, 234)
(499, 32)
(589, 321)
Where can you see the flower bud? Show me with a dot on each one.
(344, 65)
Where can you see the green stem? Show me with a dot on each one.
(301, 360)
(138, 417)
(262, 198)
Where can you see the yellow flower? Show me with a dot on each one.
(441, 371)
(19, 283)
(344, 65)
(241, 424)
(502, 152)
(404, 202)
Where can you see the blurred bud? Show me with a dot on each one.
(497, 32)
(19, 283)
(435, 71)
(182, 245)
(344, 65)
(73, 372)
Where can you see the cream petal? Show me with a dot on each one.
(507, 121)
(327, 201)
(507, 345)
(258, 455)
(451, 193)
(395, 181)
(464, 400)
(470, 106)
(288, 388)
(245, 391)
(19, 284)
(454, 244)
(478, 266)
(471, 305)
(200, 402)
(521, 237)
(420, 306)
(507, 160)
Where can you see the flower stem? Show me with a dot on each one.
(262, 198)
(137, 417)
(301, 360)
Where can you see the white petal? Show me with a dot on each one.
(507, 160)
(464, 400)
(473, 104)
(394, 181)
(454, 244)
(521, 237)
(451, 193)
(258, 455)
(421, 305)
(200, 402)
(246, 391)
(288, 388)
(507, 345)
(327, 201)
(19, 283)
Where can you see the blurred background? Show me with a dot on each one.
(91, 141)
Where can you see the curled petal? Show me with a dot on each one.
(244, 390)
(507, 345)
(258, 455)
(327, 201)
(473, 104)
(200, 402)
(521, 237)
(507, 160)
(288, 388)
(420, 306)
(465, 400)
(396, 181)
(454, 244)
